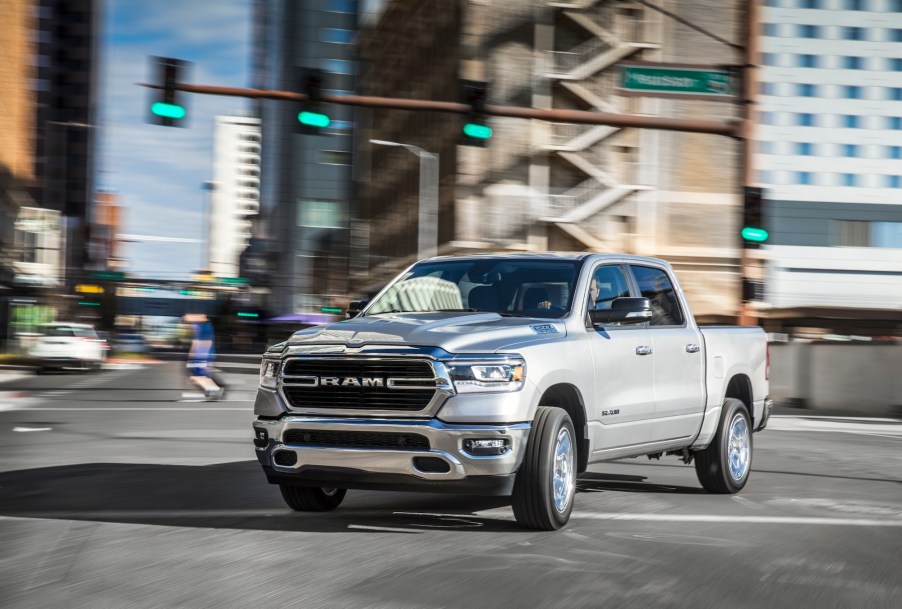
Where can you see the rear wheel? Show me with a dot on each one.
(546, 482)
(724, 466)
(312, 499)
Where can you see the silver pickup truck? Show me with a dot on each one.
(508, 374)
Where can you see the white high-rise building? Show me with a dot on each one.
(829, 152)
(234, 194)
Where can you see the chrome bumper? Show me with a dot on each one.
(445, 443)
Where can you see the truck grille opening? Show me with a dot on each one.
(358, 384)
(356, 439)
(431, 465)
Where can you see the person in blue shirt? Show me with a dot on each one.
(201, 356)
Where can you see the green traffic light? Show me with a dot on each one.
(168, 110)
(756, 235)
(477, 132)
(314, 119)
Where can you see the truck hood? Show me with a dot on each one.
(453, 332)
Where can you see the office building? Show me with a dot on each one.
(234, 193)
(829, 155)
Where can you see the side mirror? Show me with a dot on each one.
(355, 307)
(623, 310)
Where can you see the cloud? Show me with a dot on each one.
(158, 171)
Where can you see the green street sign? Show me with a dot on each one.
(233, 280)
(335, 310)
(676, 81)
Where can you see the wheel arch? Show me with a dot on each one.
(740, 387)
(568, 398)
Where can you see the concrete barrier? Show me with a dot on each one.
(855, 377)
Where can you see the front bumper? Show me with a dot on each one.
(391, 469)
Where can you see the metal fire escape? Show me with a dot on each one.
(617, 31)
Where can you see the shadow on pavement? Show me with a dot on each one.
(593, 482)
(231, 495)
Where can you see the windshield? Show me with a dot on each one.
(509, 286)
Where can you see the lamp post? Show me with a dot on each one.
(427, 225)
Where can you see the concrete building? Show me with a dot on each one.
(234, 195)
(306, 180)
(830, 158)
(541, 186)
(104, 248)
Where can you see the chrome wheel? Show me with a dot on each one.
(562, 477)
(739, 448)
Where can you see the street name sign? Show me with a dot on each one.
(677, 80)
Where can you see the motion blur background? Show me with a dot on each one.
(110, 220)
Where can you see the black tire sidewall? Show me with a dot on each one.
(557, 421)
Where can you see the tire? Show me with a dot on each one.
(546, 482)
(724, 466)
(312, 499)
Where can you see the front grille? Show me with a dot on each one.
(356, 439)
(301, 394)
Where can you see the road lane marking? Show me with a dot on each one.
(27, 429)
(804, 520)
(366, 527)
(210, 408)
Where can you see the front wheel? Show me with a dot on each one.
(724, 466)
(546, 482)
(311, 498)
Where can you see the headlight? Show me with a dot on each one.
(485, 377)
(269, 371)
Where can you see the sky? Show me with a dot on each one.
(158, 171)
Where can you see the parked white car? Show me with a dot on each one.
(68, 345)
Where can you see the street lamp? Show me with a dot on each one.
(427, 226)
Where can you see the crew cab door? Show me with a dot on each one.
(624, 405)
(678, 357)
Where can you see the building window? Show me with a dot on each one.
(850, 121)
(765, 147)
(807, 90)
(807, 61)
(338, 36)
(766, 118)
(855, 5)
(805, 120)
(804, 148)
(895, 93)
(850, 150)
(886, 234)
(895, 64)
(772, 3)
(853, 33)
(321, 214)
(768, 59)
(895, 123)
(809, 31)
(815, 4)
(338, 66)
(334, 157)
(339, 6)
(767, 88)
(853, 63)
(894, 181)
(771, 29)
(894, 152)
(851, 233)
(852, 92)
(803, 177)
(895, 6)
(895, 35)
(848, 179)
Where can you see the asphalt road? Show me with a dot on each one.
(115, 494)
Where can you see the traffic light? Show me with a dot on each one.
(476, 131)
(753, 231)
(310, 117)
(167, 107)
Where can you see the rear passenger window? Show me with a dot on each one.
(655, 285)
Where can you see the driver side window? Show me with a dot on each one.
(608, 283)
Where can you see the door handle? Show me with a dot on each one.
(690, 348)
(643, 350)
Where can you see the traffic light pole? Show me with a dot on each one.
(750, 266)
(731, 129)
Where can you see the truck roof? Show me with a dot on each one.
(552, 256)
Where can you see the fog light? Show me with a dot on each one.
(261, 438)
(487, 447)
(285, 457)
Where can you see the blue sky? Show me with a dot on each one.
(158, 171)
